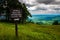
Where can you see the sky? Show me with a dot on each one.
(42, 6)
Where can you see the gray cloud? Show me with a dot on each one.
(41, 1)
(29, 5)
(49, 1)
(43, 6)
(55, 3)
(45, 1)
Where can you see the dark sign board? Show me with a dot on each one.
(16, 13)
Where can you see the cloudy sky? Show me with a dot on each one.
(42, 6)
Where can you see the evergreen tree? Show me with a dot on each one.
(25, 13)
(14, 4)
(55, 22)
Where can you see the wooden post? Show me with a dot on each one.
(16, 29)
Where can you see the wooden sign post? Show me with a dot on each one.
(16, 15)
(16, 27)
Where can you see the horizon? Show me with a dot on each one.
(45, 14)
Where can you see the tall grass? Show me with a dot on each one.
(29, 31)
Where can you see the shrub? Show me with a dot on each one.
(55, 22)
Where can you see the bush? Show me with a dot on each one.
(55, 22)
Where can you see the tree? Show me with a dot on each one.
(1, 6)
(16, 4)
(55, 22)
(25, 13)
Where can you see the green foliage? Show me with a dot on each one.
(55, 23)
(1, 9)
(12, 3)
(25, 13)
(15, 4)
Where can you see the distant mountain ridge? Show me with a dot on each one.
(44, 17)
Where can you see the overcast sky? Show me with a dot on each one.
(42, 6)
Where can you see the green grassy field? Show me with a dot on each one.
(29, 31)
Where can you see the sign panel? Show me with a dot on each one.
(16, 14)
(17, 19)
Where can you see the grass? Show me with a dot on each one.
(29, 31)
